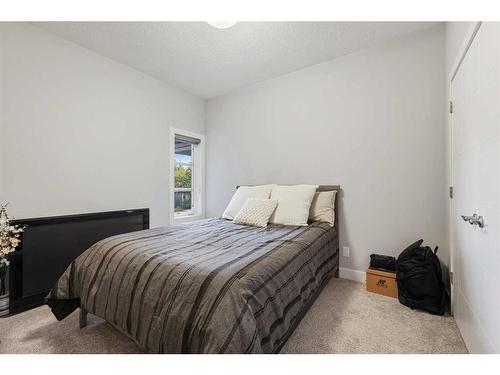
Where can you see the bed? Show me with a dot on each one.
(209, 286)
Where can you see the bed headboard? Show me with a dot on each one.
(325, 188)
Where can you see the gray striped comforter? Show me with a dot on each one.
(204, 287)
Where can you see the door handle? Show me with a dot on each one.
(474, 220)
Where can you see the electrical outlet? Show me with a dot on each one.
(345, 251)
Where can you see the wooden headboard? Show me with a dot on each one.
(325, 188)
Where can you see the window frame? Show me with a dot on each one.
(198, 177)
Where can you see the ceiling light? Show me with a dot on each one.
(221, 24)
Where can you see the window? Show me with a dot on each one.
(183, 176)
(187, 173)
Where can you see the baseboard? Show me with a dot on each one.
(354, 275)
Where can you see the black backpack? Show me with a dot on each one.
(419, 278)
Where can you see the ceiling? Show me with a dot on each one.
(208, 62)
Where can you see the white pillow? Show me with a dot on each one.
(323, 207)
(293, 204)
(242, 194)
(256, 212)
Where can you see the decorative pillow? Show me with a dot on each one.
(323, 207)
(293, 204)
(242, 194)
(256, 212)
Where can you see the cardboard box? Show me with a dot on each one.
(382, 282)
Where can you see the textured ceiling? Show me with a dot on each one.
(209, 62)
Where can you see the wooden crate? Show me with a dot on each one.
(381, 282)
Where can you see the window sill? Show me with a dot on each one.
(181, 219)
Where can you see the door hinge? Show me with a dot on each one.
(451, 106)
(450, 192)
(451, 277)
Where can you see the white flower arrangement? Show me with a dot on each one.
(9, 240)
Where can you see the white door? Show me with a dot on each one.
(475, 129)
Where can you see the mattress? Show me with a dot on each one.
(209, 286)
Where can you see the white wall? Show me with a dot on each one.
(82, 133)
(455, 34)
(371, 121)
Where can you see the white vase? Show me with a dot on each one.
(4, 304)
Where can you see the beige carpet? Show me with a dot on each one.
(344, 319)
